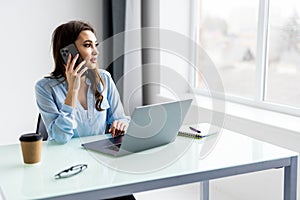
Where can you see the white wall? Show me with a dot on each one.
(175, 16)
(25, 36)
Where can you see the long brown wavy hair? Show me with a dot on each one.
(64, 35)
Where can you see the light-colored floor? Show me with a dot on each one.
(190, 191)
(185, 192)
(265, 185)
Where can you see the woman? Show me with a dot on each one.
(73, 104)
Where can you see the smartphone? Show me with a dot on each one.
(71, 49)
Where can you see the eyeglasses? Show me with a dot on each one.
(76, 169)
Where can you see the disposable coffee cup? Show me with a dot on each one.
(31, 145)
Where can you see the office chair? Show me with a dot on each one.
(41, 129)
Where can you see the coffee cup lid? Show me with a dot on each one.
(30, 137)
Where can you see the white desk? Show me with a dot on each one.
(108, 177)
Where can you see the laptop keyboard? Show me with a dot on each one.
(115, 147)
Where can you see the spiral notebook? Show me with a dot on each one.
(197, 131)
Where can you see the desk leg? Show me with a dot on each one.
(204, 190)
(290, 180)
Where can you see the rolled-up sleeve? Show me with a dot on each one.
(59, 119)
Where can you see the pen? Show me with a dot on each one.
(196, 130)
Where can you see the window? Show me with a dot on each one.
(255, 46)
(283, 72)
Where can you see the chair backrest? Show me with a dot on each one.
(41, 129)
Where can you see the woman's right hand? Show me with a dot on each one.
(73, 75)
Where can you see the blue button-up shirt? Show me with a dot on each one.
(64, 122)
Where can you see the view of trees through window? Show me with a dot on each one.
(283, 74)
(228, 31)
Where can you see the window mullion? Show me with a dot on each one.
(262, 50)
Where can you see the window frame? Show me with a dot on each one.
(259, 100)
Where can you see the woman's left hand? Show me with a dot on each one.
(117, 128)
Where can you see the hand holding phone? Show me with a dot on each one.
(71, 49)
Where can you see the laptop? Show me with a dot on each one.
(150, 126)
